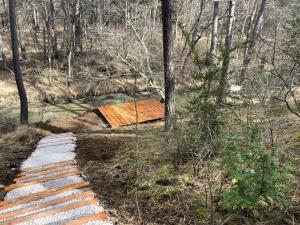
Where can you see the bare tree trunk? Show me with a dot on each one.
(70, 70)
(4, 5)
(3, 56)
(226, 53)
(170, 109)
(95, 12)
(35, 27)
(16, 61)
(195, 39)
(52, 30)
(214, 34)
(154, 14)
(247, 17)
(77, 27)
(68, 29)
(4, 15)
(21, 43)
(252, 40)
(195, 28)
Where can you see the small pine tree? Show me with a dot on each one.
(256, 179)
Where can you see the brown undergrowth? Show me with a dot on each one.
(16, 144)
(139, 184)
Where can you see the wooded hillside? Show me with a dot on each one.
(227, 73)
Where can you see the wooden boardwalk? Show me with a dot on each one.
(50, 189)
(124, 114)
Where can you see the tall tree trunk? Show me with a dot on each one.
(35, 27)
(4, 15)
(16, 61)
(214, 33)
(3, 56)
(170, 109)
(226, 53)
(195, 27)
(248, 18)
(52, 30)
(68, 30)
(154, 15)
(69, 76)
(21, 42)
(95, 15)
(77, 26)
(4, 5)
(249, 50)
(44, 42)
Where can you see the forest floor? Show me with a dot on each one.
(140, 184)
(136, 177)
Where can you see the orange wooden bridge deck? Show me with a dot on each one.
(131, 112)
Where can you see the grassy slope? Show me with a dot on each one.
(141, 186)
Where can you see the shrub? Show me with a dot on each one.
(257, 180)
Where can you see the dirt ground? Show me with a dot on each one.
(107, 160)
(16, 144)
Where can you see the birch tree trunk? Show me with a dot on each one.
(214, 35)
(252, 40)
(170, 109)
(226, 53)
(16, 62)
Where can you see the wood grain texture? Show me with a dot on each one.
(125, 114)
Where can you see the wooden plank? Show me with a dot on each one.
(14, 214)
(54, 145)
(24, 177)
(121, 119)
(41, 169)
(50, 176)
(47, 165)
(53, 212)
(38, 181)
(53, 136)
(108, 116)
(43, 194)
(97, 217)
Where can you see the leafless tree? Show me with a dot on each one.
(214, 35)
(253, 35)
(226, 52)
